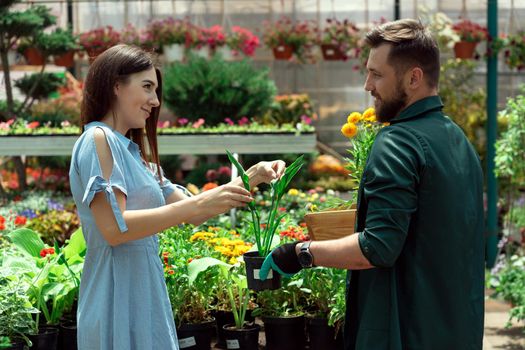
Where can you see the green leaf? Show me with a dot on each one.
(27, 240)
(199, 265)
(76, 244)
(244, 177)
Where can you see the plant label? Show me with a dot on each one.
(257, 276)
(187, 342)
(232, 344)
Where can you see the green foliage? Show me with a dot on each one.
(285, 301)
(290, 109)
(46, 83)
(57, 42)
(25, 23)
(463, 101)
(510, 285)
(510, 157)
(264, 238)
(16, 312)
(55, 225)
(216, 89)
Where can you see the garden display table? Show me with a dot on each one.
(267, 143)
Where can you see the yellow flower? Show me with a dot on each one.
(201, 236)
(349, 130)
(354, 117)
(369, 114)
(293, 192)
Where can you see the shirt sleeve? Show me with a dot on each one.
(91, 174)
(166, 185)
(391, 178)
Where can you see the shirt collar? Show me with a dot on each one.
(418, 108)
(123, 139)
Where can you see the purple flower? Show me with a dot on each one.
(28, 213)
(52, 205)
(182, 121)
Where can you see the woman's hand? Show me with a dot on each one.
(221, 199)
(265, 172)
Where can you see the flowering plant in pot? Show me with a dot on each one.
(513, 48)
(241, 334)
(286, 38)
(470, 34)
(138, 37)
(241, 40)
(265, 233)
(338, 220)
(99, 40)
(339, 40)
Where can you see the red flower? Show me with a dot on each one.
(2, 226)
(20, 220)
(282, 209)
(47, 251)
(33, 125)
(2, 219)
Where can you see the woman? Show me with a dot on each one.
(123, 200)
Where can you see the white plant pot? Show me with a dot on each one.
(225, 52)
(174, 52)
(202, 52)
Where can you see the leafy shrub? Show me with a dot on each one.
(55, 224)
(46, 83)
(215, 89)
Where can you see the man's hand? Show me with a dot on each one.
(283, 260)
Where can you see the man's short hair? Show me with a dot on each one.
(412, 45)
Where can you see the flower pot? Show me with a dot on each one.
(196, 336)
(226, 317)
(464, 49)
(332, 53)
(225, 52)
(16, 344)
(46, 339)
(322, 336)
(284, 333)
(282, 52)
(67, 337)
(34, 57)
(246, 338)
(174, 52)
(11, 57)
(332, 224)
(253, 264)
(203, 51)
(65, 60)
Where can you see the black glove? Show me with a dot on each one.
(283, 260)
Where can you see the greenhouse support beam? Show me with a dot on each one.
(397, 10)
(492, 125)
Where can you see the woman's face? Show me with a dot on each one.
(135, 100)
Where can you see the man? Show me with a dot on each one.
(416, 275)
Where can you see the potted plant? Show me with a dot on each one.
(241, 40)
(339, 40)
(286, 38)
(60, 43)
(283, 316)
(514, 50)
(138, 37)
(240, 334)
(215, 40)
(470, 34)
(38, 86)
(264, 238)
(171, 35)
(99, 40)
(339, 220)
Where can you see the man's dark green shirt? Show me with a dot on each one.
(420, 223)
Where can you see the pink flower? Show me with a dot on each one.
(229, 121)
(182, 121)
(198, 123)
(305, 119)
(244, 121)
(211, 175)
(164, 124)
(33, 125)
(11, 121)
(224, 171)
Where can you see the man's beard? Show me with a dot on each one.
(387, 110)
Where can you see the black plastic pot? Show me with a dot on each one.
(284, 333)
(322, 336)
(67, 337)
(196, 336)
(46, 339)
(253, 265)
(246, 338)
(16, 344)
(222, 318)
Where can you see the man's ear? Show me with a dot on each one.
(415, 79)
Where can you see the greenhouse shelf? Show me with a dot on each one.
(171, 144)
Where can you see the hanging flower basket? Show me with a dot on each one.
(93, 54)
(282, 52)
(465, 49)
(332, 52)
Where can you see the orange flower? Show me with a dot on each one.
(20, 220)
(209, 186)
(370, 115)
(354, 117)
(349, 130)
